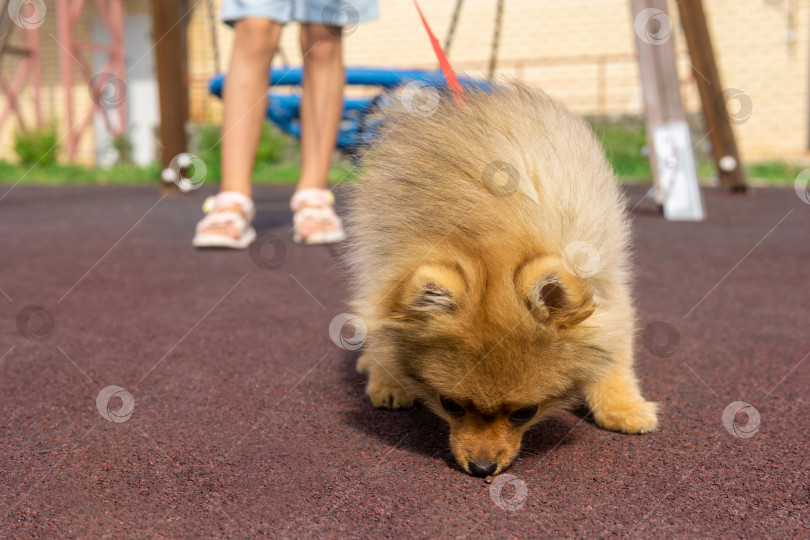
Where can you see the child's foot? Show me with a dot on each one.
(314, 218)
(227, 223)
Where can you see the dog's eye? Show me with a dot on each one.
(452, 408)
(523, 415)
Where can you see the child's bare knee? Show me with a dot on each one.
(256, 36)
(324, 52)
(321, 43)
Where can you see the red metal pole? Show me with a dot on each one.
(65, 19)
(35, 68)
(112, 15)
(112, 12)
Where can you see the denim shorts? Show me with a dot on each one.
(326, 12)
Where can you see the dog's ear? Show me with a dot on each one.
(434, 288)
(552, 293)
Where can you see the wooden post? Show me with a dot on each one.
(671, 155)
(170, 58)
(712, 96)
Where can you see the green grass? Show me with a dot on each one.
(37, 146)
(278, 160)
(57, 174)
(623, 143)
(624, 139)
(776, 173)
(288, 173)
(61, 175)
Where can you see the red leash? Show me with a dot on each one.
(447, 70)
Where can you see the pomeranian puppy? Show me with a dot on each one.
(488, 250)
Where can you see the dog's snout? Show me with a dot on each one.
(482, 468)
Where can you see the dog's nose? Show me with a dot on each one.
(482, 469)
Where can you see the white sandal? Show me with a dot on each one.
(219, 213)
(316, 205)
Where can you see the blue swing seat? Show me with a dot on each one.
(283, 107)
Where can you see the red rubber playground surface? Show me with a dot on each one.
(235, 414)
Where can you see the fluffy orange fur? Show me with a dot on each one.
(460, 249)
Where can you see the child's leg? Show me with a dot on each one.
(321, 110)
(322, 102)
(245, 104)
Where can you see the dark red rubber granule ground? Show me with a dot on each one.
(248, 419)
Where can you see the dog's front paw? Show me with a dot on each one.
(364, 364)
(387, 394)
(633, 417)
